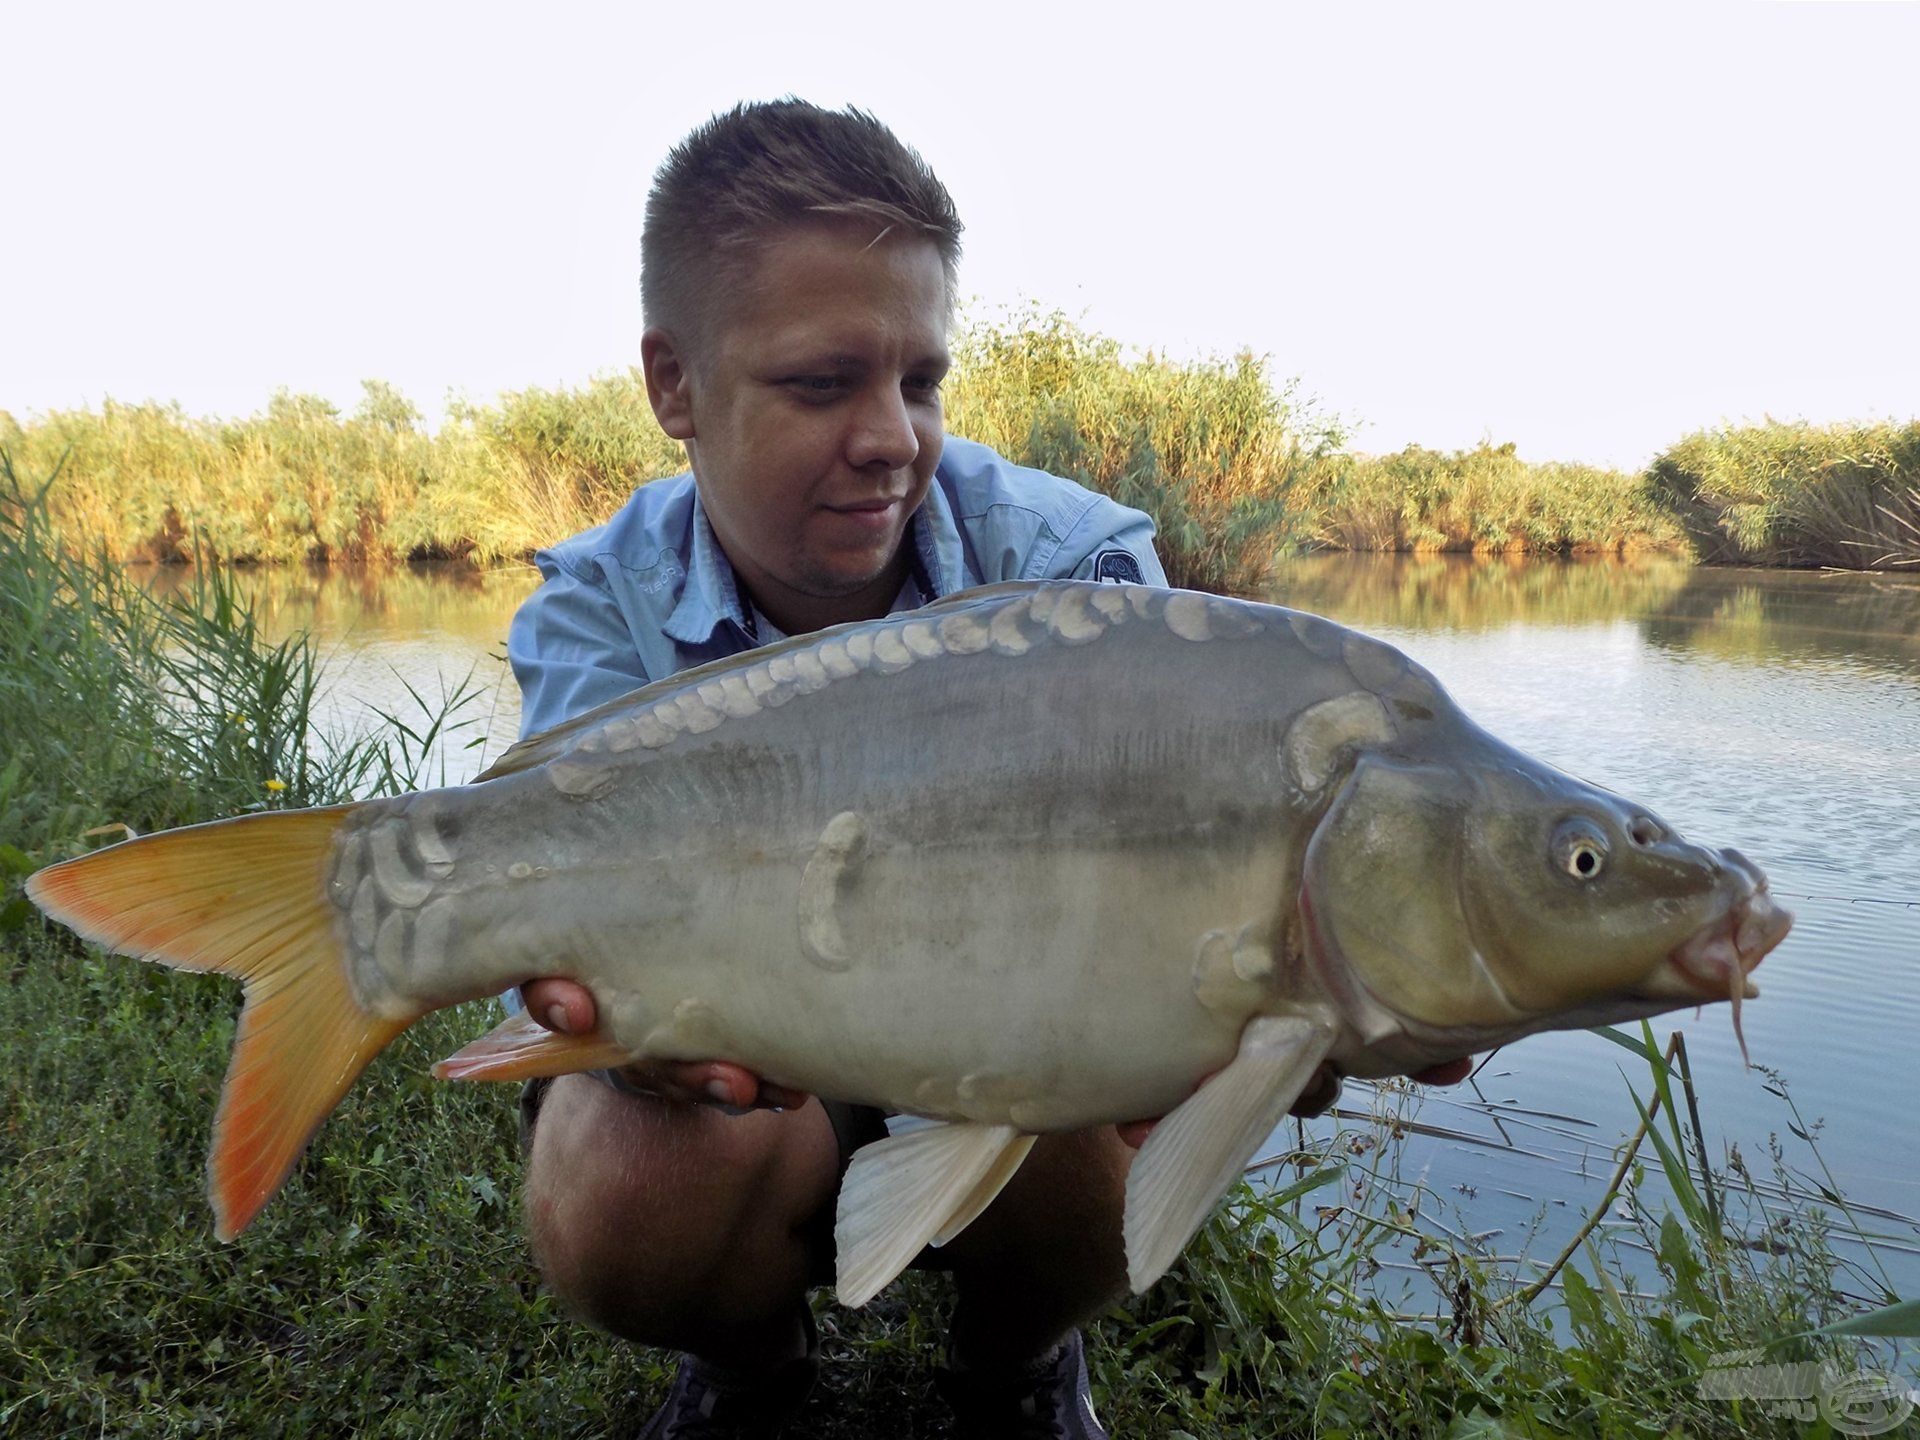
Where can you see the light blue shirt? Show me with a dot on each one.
(650, 593)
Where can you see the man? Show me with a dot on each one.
(798, 281)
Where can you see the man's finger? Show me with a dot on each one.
(781, 1097)
(562, 1005)
(566, 1006)
(732, 1088)
(1135, 1132)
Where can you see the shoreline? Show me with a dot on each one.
(1233, 464)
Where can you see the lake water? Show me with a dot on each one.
(1775, 711)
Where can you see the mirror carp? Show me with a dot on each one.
(1037, 857)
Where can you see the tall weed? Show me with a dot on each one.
(1344, 1297)
(1486, 499)
(1795, 494)
(1233, 466)
(1213, 450)
(132, 712)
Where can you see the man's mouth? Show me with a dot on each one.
(875, 515)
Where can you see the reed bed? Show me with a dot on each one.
(1214, 450)
(1846, 496)
(1234, 465)
(1485, 500)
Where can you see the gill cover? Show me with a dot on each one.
(1383, 887)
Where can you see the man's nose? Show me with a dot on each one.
(883, 431)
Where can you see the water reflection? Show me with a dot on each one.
(397, 640)
(1768, 616)
(1461, 592)
(346, 603)
(1759, 616)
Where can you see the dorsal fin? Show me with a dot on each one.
(548, 744)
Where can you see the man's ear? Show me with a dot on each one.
(669, 383)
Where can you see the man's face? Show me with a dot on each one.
(815, 420)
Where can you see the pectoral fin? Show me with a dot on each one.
(902, 1193)
(521, 1048)
(1200, 1149)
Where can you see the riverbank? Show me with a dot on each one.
(388, 1290)
(1233, 465)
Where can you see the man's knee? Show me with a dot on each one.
(648, 1216)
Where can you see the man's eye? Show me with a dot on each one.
(817, 385)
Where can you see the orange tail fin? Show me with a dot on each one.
(245, 898)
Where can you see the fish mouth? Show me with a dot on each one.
(1716, 961)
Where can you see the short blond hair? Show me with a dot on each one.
(759, 169)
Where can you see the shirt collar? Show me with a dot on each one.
(936, 537)
(711, 594)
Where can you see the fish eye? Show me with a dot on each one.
(1580, 849)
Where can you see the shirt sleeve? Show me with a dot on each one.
(570, 647)
(1102, 544)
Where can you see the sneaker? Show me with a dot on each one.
(710, 1402)
(1050, 1399)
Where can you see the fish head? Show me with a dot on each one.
(1496, 896)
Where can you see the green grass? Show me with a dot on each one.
(388, 1290)
(302, 482)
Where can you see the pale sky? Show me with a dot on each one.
(1587, 229)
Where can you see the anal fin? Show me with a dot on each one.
(902, 1193)
(521, 1048)
(1203, 1146)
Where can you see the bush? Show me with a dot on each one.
(1212, 450)
(1486, 499)
(1798, 494)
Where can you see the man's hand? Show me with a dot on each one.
(1318, 1097)
(568, 1008)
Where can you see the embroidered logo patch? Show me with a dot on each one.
(1119, 567)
